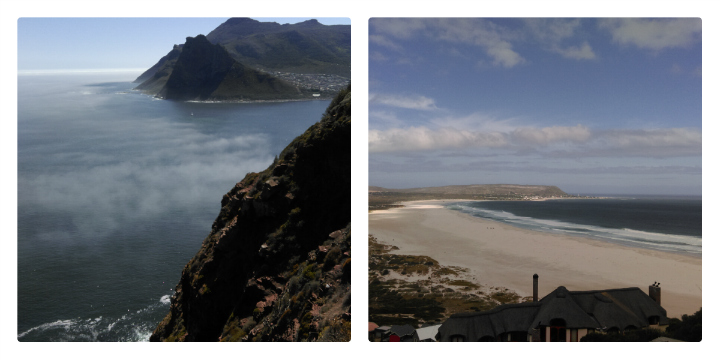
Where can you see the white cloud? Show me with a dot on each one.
(384, 119)
(377, 56)
(416, 102)
(553, 33)
(556, 141)
(493, 39)
(477, 121)
(423, 138)
(548, 135)
(401, 28)
(503, 55)
(496, 41)
(583, 52)
(385, 42)
(654, 138)
(654, 34)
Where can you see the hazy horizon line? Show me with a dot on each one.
(75, 71)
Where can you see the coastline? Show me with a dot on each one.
(499, 254)
(233, 101)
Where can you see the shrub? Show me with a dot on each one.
(687, 329)
(293, 284)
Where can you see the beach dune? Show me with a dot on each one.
(501, 255)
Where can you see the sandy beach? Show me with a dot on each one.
(502, 255)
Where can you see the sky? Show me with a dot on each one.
(112, 43)
(593, 106)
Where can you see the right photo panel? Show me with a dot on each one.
(535, 180)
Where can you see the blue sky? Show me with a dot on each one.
(112, 43)
(608, 106)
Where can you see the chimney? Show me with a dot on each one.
(535, 288)
(654, 293)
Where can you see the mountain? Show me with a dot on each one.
(306, 47)
(271, 62)
(276, 264)
(203, 71)
(161, 70)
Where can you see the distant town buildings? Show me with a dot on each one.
(324, 85)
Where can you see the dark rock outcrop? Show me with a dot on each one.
(203, 71)
(276, 265)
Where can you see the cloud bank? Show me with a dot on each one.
(415, 102)
(558, 140)
(496, 41)
(654, 34)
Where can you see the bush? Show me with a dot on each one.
(293, 284)
(687, 329)
(313, 287)
(332, 258)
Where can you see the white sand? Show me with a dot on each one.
(503, 255)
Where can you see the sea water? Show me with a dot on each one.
(671, 224)
(117, 190)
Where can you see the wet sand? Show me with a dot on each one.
(502, 255)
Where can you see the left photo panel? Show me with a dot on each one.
(183, 179)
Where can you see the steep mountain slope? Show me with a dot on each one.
(160, 71)
(306, 47)
(203, 71)
(276, 265)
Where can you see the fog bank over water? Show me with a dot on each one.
(81, 151)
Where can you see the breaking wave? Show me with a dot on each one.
(133, 326)
(625, 236)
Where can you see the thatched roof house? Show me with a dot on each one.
(562, 315)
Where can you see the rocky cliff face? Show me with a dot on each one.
(200, 70)
(276, 265)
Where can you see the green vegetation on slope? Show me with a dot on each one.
(307, 47)
(411, 289)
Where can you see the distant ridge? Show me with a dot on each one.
(489, 189)
(306, 47)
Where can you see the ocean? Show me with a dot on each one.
(117, 190)
(672, 224)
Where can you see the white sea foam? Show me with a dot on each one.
(631, 237)
(48, 326)
(133, 326)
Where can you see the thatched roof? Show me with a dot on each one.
(620, 308)
(501, 319)
(599, 309)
